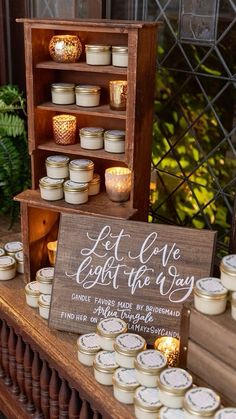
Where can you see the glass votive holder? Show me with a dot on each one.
(52, 251)
(170, 348)
(64, 129)
(65, 48)
(118, 183)
(118, 94)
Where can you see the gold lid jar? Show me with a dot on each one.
(91, 138)
(19, 256)
(87, 95)
(104, 367)
(32, 293)
(108, 330)
(44, 277)
(63, 93)
(98, 54)
(12, 248)
(201, 402)
(228, 272)
(7, 268)
(88, 347)
(94, 185)
(173, 384)
(114, 141)
(127, 346)
(44, 302)
(148, 366)
(210, 296)
(51, 189)
(169, 413)
(124, 385)
(57, 166)
(75, 193)
(81, 170)
(120, 55)
(146, 403)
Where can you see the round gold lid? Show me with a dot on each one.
(32, 288)
(88, 343)
(201, 401)
(57, 161)
(12, 248)
(174, 381)
(114, 135)
(228, 265)
(91, 131)
(125, 379)
(81, 164)
(97, 48)
(70, 186)
(150, 362)
(111, 327)
(49, 183)
(129, 344)
(122, 49)
(147, 399)
(87, 88)
(6, 263)
(45, 275)
(210, 288)
(63, 87)
(105, 362)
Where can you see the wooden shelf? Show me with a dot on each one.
(82, 66)
(102, 110)
(78, 151)
(99, 205)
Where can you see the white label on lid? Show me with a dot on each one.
(46, 272)
(33, 286)
(2, 251)
(168, 413)
(106, 359)
(202, 398)
(58, 159)
(6, 260)
(14, 246)
(211, 286)
(230, 262)
(89, 341)
(176, 378)
(126, 377)
(227, 413)
(112, 325)
(130, 341)
(151, 359)
(148, 396)
(50, 181)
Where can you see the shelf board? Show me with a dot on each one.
(99, 205)
(77, 150)
(82, 66)
(102, 110)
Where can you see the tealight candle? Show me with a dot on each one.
(124, 385)
(88, 347)
(147, 403)
(148, 366)
(64, 129)
(52, 251)
(44, 276)
(118, 94)
(118, 183)
(170, 348)
(108, 330)
(228, 272)
(201, 402)
(127, 346)
(210, 296)
(173, 383)
(104, 367)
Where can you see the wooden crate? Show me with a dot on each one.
(208, 350)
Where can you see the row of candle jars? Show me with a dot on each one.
(11, 260)
(38, 292)
(87, 95)
(211, 294)
(68, 49)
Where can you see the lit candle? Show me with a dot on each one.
(52, 251)
(170, 348)
(118, 183)
(64, 129)
(118, 94)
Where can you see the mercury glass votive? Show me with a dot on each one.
(118, 183)
(64, 129)
(170, 348)
(52, 251)
(65, 48)
(118, 94)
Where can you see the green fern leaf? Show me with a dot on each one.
(11, 125)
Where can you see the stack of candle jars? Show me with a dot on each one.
(211, 294)
(82, 182)
(38, 292)
(11, 260)
(141, 377)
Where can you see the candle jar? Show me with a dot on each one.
(124, 385)
(104, 367)
(63, 93)
(88, 347)
(51, 189)
(226, 413)
(44, 277)
(118, 94)
(57, 167)
(228, 272)
(94, 185)
(147, 403)
(98, 54)
(32, 294)
(168, 413)
(81, 170)
(173, 383)
(127, 346)
(91, 138)
(148, 366)
(201, 402)
(120, 55)
(2, 252)
(65, 48)
(75, 193)
(210, 296)
(233, 305)
(108, 330)
(19, 256)
(7, 268)
(12, 248)
(52, 252)
(87, 95)
(118, 183)
(44, 305)
(170, 348)
(114, 141)
(64, 129)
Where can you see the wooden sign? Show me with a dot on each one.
(139, 272)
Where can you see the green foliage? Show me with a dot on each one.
(14, 162)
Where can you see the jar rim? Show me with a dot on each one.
(57, 185)
(202, 412)
(120, 48)
(33, 292)
(97, 48)
(63, 87)
(76, 187)
(76, 166)
(61, 163)
(86, 88)
(170, 389)
(151, 371)
(96, 133)
(209, 297)
(10, 265)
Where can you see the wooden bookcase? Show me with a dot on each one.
(41, 72)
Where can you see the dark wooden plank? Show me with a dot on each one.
(82, 66)
(102, 110)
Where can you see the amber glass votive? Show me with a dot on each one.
(64, 129)
(170, 348)
(65, 48)
(118, 94)
(52, 251)
(118, 183)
